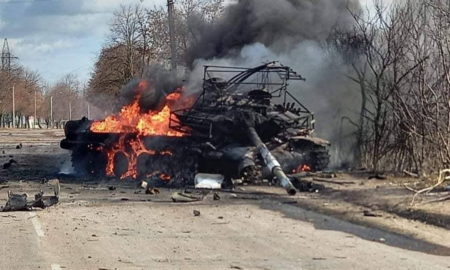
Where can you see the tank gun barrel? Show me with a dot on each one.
(271, 162)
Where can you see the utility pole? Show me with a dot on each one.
(35, 109)
(173, 46)
(6, 56)
(13, 107)
(51, 111)
(88, 111)
(70, 110)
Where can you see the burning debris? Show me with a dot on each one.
(244, 124)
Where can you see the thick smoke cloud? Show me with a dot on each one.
(253, 32)
(280, 25)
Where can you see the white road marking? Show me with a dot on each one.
(38, 228)
(37, 224)
(55, 266)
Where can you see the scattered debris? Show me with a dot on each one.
(333, 182)
(208, 181)
(378, 177)
(184, 198)
(17, 202)
(196, 213)
(411, 174)
(19, 146)
(152, 191)
(368, 213)
(43, 202)
(8, 164)
(216, 196)
(20, 202)
(244, 197)
(290, 202)
(307, 186)
(148, 188)
(112, 188)
(143, 184)
(315, 174)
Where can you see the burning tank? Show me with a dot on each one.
(245, 124)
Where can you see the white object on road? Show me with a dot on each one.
(209, 181)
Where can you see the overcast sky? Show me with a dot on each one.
(57, 37)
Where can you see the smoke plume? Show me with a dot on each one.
(252, 32)
(280, 25)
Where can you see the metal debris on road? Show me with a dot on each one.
(20, 202)
(184, 198)
(8, 164)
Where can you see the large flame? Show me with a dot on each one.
(130, 120)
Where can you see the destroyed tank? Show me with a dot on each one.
(245, 124)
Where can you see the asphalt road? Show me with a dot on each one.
(94, 228)
(164, 235)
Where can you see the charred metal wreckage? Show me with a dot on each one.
(245, 124)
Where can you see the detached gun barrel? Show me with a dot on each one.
(271, 162)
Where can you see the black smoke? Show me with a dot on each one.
(297, 33)
(278, 24)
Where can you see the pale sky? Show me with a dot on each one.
(57, 37)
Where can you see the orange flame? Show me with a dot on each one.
(130, 120)
(302, 168)
(165, 177)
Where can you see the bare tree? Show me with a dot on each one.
(125, 32)
(139, 37)
(66, 96)
(400, 58)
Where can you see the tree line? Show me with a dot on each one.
(28, 101)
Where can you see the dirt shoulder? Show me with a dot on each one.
(389, 195)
